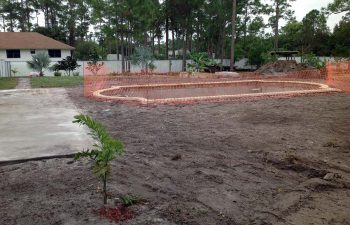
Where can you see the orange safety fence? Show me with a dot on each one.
(339, 75)
(182, 88)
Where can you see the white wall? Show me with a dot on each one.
(162, 66)
(322, 58)
(26, 56)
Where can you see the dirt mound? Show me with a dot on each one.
(283, 66)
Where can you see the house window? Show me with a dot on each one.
(13, 54)
(32, 51)
(54, 53)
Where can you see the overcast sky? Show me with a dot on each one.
(302, 7)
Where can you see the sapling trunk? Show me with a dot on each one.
(104, 188)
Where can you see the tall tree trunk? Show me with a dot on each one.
(197, 43)
(3, 24)
(117, 38)
(104, 189)
(233, 38)
(71, 36)
(277, 24)
(122, 47)
(166, 38)
(11, 24)
(22, 18)
(128, 47)
(184, 50)
(222, 46)
(28, 11)
(130, 50)
(158, 45)
(190, 42)
(45, 9)
(245, 27)
(153, 45)
(173, 42)
(145, 39)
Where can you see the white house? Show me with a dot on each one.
(18, 48)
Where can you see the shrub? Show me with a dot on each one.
(312, 60)
(14, 71)
(105, 150)
(129, 200)
(143, 57)
(68, 64)
(201, 61)
(76, 74)
(57, 74)
(40, 61)
(94, 67)
(266, 58)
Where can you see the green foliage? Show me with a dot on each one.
(339, 6)
(7, 83)
(54, 32)
(205, 25)
(88, 51)
(268, 58)
(315, 33)
(50, 82)
(68, 64)
(312, 60)
(201, 61)
(257, 51)
(105, 150)
(57, 74)
(340, 40)
(143, 57)
(39, 62)
(129, 200)
(76, 74)
(291, 35)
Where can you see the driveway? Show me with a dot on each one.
(37, 123)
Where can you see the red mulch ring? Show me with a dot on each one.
(117, 214)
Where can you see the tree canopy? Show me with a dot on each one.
(168, 27)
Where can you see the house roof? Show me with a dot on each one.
(29, 40)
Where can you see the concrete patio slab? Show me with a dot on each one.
(37, 123)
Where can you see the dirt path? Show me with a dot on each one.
(23, 83)
(279, 161)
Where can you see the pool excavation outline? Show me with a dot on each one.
(319, 88)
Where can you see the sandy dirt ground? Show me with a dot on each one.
(273, 161)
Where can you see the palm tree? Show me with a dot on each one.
(40, 61)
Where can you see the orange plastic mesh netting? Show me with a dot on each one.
(339, 75)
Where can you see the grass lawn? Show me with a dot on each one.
(7, 83)
(49, 82)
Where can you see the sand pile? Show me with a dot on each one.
(283, 66)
